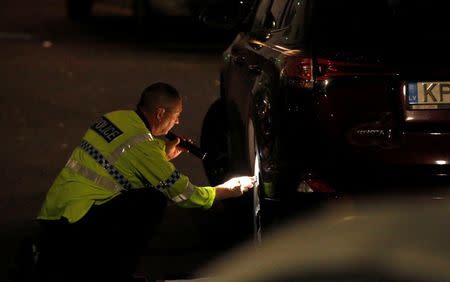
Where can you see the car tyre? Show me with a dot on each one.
(214, 141)
(226, 158)
(255, 166)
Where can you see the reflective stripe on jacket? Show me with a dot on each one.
(125, 142)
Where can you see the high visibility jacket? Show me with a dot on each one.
(124, 140)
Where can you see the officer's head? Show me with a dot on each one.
(162, 105)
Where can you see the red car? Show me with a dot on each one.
(326, 98)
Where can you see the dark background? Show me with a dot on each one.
(57, 76)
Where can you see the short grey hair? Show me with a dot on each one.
(157, 95)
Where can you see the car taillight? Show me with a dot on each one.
(303, 72)
(328, 68)
(314, 185)
(299, 71)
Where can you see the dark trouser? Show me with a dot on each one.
(105, 244)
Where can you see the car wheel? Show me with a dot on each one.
(255, 167)
(79, 9)
(214, 141)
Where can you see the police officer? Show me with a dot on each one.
(112, 192)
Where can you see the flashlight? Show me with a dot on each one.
(191, 147)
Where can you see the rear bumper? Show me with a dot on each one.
(351, 198)
(358, 178)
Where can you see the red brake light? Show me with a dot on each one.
(328, 68)
(301, 69)
(314, 186)
(319, 186)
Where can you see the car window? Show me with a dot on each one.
(394, 29)
(269, 14)
(295, 22)
(420, 27)
(262, 17)
(349, 24)
(277, 10)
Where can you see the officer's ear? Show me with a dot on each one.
(160, 113)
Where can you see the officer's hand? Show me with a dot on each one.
(172, 150)
(238, 185)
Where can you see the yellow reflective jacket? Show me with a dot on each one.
(124, 140)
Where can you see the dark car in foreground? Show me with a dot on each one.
(387, 240)
(324, 98)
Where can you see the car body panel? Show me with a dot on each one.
(350, 122)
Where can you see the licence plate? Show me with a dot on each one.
(428, 95)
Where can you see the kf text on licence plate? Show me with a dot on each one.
(428, 95)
